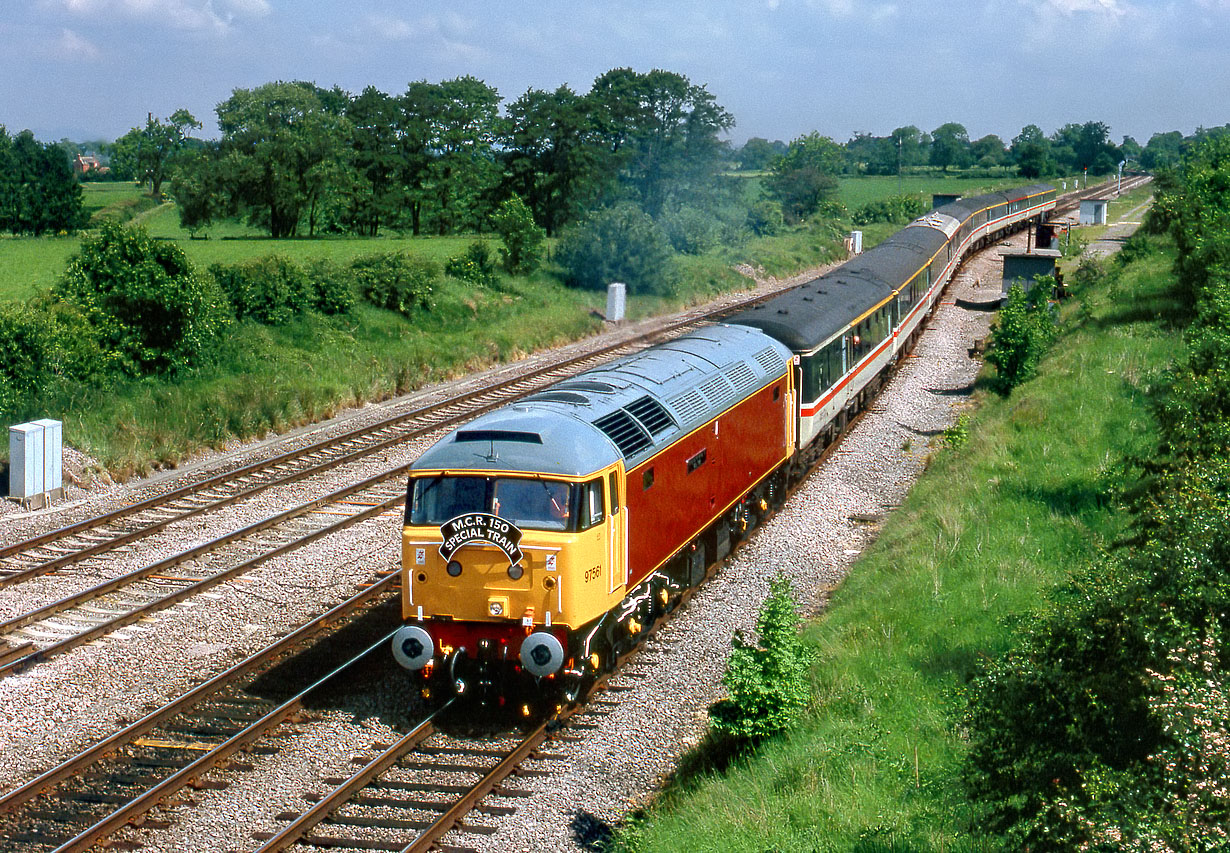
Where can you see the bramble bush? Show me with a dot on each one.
(274, 289)
(475, 266)
(769, 682)
(396, 281)
(765, 218)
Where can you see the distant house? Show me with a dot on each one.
(84, 164)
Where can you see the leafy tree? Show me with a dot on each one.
(989, 151)
(149, 310)
(1163, 150)
(280, 152)
(377, 194)
(555, 156)
(522, 236)
(621, 243)
(38, 192)
(1031, 152)
(663, 131)
(757, 153)
(769, 681)
(950, 146)
(872, 155)
(462, 118)
(806, 176)
(912, 145)
(148, 153)
(1085, 146)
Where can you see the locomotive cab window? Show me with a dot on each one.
(590, 506)
(529, 503)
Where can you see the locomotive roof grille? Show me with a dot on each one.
(717, 391)
(651, 415)
(690, 406)
(742, 377)
(629, 436)
(498, 435)
(771, 360)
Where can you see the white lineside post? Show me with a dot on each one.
(616, 301)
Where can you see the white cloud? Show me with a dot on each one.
(189, 15)
(1112, 8)
(70, 45)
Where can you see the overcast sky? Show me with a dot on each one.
(88, 69)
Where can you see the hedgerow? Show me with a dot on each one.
(1107, 727)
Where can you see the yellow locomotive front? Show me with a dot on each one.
(513, 540)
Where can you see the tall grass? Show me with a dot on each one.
(987, 531)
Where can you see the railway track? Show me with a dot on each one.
(183, 744)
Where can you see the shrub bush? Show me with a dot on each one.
(691, 231)
(396, 281)
(475, 266)
(769, 682)
(26, 346)
(1023, 331)
(332, 287)
(522, 236)
(765, 218)
(621, 243)
(272, 290)
(148, 309)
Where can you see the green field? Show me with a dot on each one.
(988, 530)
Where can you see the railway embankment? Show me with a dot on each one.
(1019, 494)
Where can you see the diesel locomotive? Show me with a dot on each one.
(543, 539)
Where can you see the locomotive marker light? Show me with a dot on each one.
(413, 647)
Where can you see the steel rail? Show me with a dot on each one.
(31, 658)
(213, 759)
(343, 793)
(108, 746)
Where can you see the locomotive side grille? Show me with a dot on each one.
(742, 377)
(718, 391)
(629, 436)
(690, 406)
(651, 415)
(770, 360)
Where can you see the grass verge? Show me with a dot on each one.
(987, 531)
